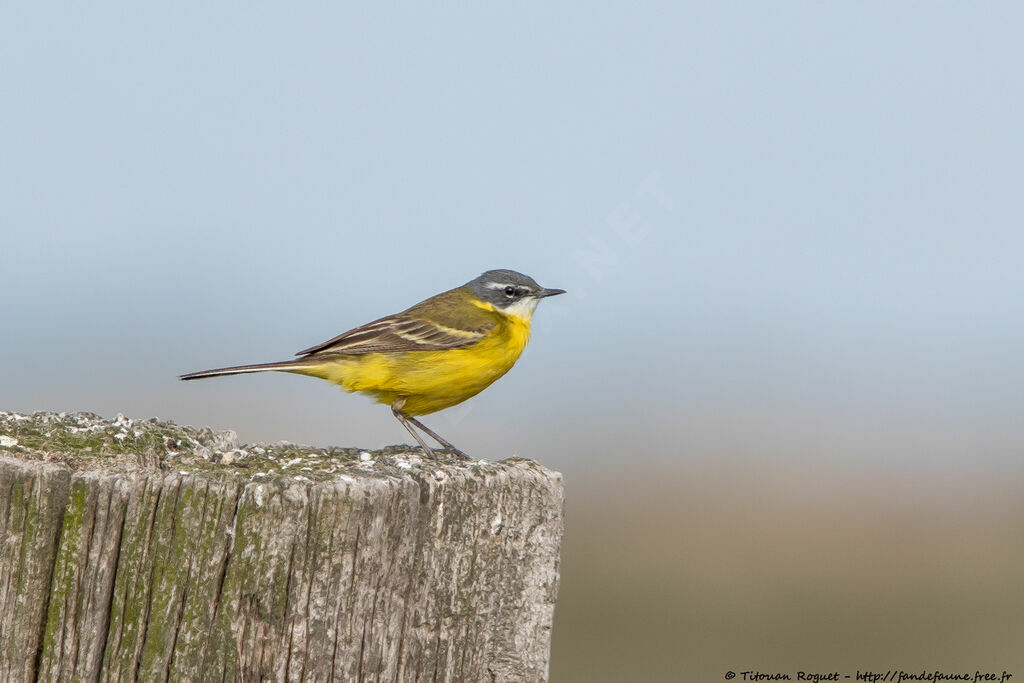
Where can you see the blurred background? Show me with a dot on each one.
(785, 389)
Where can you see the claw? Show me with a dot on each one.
(452, 450)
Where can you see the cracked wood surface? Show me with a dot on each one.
(172, 554)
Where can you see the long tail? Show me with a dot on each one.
(284, 366)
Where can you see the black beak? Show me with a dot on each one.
(549, 292)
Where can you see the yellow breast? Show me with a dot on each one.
(432, 380)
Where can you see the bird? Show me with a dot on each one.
(429, 357)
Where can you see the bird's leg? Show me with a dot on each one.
(441, 441)
(396, 409)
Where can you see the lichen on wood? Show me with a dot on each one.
(144, 550)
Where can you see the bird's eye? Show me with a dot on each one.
(510, 291)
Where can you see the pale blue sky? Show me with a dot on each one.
(781, 226)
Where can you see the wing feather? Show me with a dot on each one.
(398, 333)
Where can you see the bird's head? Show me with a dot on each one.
(510, 292)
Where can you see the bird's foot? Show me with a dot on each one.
(455, 452)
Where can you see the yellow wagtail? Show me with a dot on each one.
(429, 357)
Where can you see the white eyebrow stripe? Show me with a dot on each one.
(503, 285)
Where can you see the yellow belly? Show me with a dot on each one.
(428, 380)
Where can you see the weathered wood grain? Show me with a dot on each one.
(147, 551)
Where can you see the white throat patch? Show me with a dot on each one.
(522, 309)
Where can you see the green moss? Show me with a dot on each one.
(84, 440)
(131, 586)
(62, 591)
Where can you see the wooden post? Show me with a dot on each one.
(142, 550)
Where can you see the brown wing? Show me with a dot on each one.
(399, 333)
